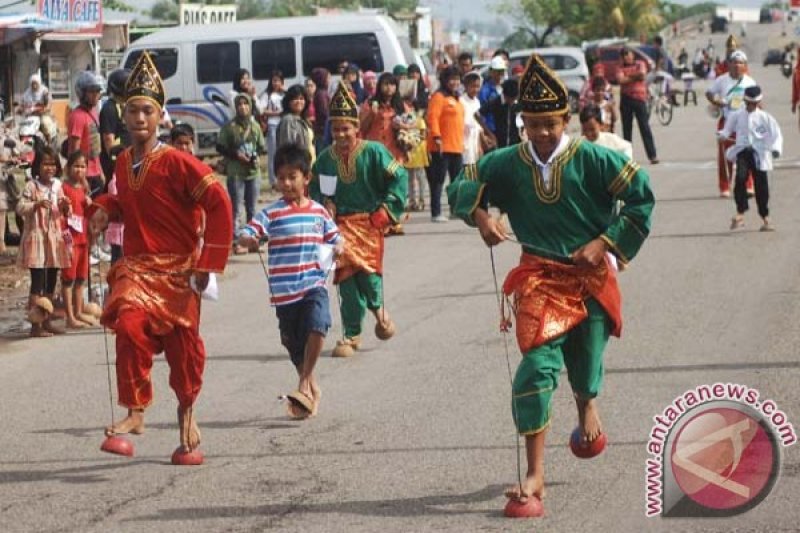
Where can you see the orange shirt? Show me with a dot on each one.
(446, 121)
(380, 127)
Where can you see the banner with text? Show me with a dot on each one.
(206, 14)
(75, 16)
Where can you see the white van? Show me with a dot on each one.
(198, 63)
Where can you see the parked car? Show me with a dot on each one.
(719, 25)
(567, 61)
(609, 56)
(765, 16)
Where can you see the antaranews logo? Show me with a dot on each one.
(715, 451)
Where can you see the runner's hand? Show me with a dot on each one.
(200, 280)
(331, 207)
(491, 230)
(590, 254)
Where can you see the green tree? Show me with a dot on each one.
(539, 19)
(623, 18)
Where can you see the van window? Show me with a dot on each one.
(273, 54)
(166, 60)
(569, 63)
(217, 62)
(328, 50)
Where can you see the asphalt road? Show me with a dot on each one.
(416, 434)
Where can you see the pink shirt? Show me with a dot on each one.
(635, 89)
(85, 125)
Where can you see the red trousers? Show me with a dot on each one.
(136, 346)
(725, 167)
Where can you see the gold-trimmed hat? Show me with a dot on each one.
(731, 43)
(343, 105)
(541, 92)
(145, 81)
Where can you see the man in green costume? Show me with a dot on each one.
(364, 188)
(559, 195)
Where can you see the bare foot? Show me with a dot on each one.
(532, 485)
(588, 419)
(133, 423)
(76, 324)
(190, 432)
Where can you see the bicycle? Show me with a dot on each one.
(659, 101)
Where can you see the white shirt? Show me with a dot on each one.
(757, 130)
(730, 91)
(615, 142)
(272, 102)
(472, 129)
(544, 168)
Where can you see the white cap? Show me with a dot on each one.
(498, 63)
(738, 55)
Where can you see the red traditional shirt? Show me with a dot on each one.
(161, 206)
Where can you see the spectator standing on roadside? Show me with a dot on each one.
(445, 137)
(294, 127)
(321, 78)
(113, 133)
(272, 109)
(421, 99)
(493, 87)
(83, 127)
(633, 101)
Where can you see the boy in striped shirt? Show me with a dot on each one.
(297, 228)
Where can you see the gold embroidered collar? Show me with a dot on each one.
(137, 177)
(549, 193)
(346, 169)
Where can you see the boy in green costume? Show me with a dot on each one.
(364, 189)
(559, 195)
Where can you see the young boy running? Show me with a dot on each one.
(364, 188)
(297, 229)
(758, 140)
(559, 194)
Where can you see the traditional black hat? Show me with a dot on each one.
(753, 94)
(145, 81)
(541, 91)
(343, 105)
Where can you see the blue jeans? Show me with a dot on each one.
(238, 189)
(296, 321)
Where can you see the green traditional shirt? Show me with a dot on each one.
(369, 179)
(573, 208)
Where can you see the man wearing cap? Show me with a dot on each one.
(154, 304)
(559, 194)
(758, 141)
(726, 94)
(364, 188)
(492, 88)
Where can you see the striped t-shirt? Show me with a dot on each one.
(296, 236)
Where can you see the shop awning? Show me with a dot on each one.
(16, 27)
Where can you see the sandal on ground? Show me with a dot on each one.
(737, 222)
(300, 405)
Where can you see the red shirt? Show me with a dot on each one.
(76, 222)
(85, 125)
(161, 208)
(636, 90)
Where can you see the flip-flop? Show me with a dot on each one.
(302, 402)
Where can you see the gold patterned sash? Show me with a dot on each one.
(363, 247)
(157, 284)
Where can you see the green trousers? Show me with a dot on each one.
(359, 292)
(580, 349)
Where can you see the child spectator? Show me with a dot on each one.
(181, 136)
(272, 105)
(602, 98)
(42, 249)
(76, 229)
(297, 274)
(472, 127)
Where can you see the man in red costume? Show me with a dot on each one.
(162, 193)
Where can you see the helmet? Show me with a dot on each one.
(88, 80)
(117, 80)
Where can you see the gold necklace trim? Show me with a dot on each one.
(136, 179)
(347, 169)
(549, 193)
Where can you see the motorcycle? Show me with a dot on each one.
(786, 66)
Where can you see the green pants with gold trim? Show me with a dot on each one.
(359, 292)
(580, 349)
